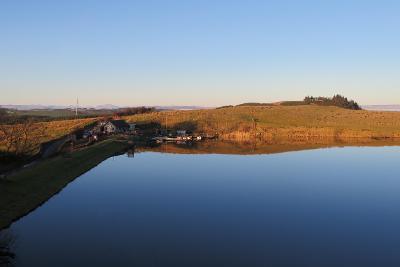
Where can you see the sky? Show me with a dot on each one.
(205, 53)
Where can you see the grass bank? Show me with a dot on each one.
(275, 122)
(27, 189)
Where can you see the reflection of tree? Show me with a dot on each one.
(6, 244)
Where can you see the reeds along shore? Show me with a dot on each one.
(305, 134)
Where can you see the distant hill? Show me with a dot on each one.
(336, 100)
(54, 107)
(32, 107)
(179, 107)
(382, 107)
(98, 107)
(106, 106)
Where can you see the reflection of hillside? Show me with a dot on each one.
(251, 148)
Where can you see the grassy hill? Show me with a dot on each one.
(268, 122)
(261, 122)
(46, 131)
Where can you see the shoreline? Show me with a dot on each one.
(28, 188)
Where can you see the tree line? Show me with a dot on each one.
(336, 100)
(134, 111)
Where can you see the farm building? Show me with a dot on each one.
(99, 128)
(116, 126)
(183, 132)
(132, 126)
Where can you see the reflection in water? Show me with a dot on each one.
(131, 152)
(257, 147)
(7, 255)
(325, 207)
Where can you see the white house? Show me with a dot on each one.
(116, 126)
(132, 126)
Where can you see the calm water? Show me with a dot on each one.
(325, 207)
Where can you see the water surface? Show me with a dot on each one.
(323, 207)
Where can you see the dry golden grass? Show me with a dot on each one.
(55, 129)
(46, 131)
(242, 123)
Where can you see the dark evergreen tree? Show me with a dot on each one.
(336, 100)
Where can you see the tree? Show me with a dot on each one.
(21, 139)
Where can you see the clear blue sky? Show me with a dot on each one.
(198, 52)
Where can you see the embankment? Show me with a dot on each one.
(28, 188)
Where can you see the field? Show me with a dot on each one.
(269, 122)
(46, 131)
(54, 114)
(28, 188)
(55, 129)
(45, 113)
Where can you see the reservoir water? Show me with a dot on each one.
(322, 207)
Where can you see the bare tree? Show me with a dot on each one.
(22, 138)
(6, 244)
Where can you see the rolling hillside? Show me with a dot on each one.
(268, 122)
(46, 131)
